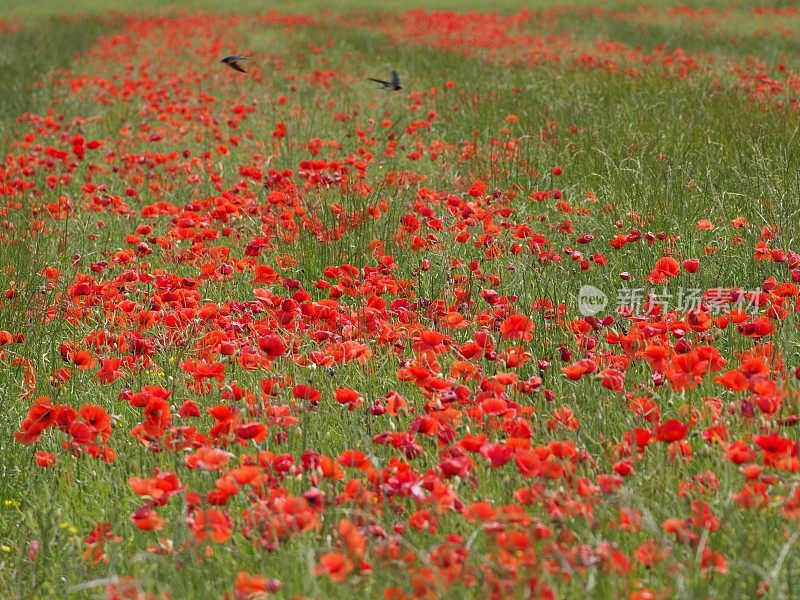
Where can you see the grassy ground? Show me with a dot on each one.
(653, 152)
(31, 54)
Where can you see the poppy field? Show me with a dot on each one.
(520, 322)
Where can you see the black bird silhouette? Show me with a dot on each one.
(392, 85)
(233, 61)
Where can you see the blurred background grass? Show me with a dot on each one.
(28, 8)
(28, 56)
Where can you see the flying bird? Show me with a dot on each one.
(233, 61)
(392, 85)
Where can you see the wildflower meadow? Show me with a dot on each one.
(396, 300)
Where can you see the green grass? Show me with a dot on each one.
(724, 158)
(30, 57)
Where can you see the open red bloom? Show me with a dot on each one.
(671, 431)
(517, 327)
(335, 565)
(349, 397)
(307, 392)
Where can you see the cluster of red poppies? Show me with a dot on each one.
(540, 38)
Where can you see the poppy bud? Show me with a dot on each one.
(33, 550)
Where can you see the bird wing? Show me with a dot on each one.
(381, 81)
(234, 65)
(395, 79)
(237, 57)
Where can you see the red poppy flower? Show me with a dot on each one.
(517, 327)
(349, 397)
(671, 431)
(335, 565)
